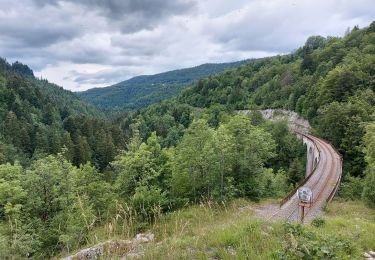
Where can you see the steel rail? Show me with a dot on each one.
(303, 182)
(330, 151)
(314, 185)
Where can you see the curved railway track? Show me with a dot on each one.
(323, 181)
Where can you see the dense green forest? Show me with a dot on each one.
(68, 170)
(39, 118)
(330, 81)
(141, 91)
(77, 169)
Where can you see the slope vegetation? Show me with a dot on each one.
(142, 91)
(193, 150)
(39, 118)
(330, 81)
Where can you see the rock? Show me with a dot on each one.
(132, 249)
(190, 249)
(231, 251)
(132, 256)
(372, 253)
(144, 238)
(367, 255)
(270, 228)
(88, 253)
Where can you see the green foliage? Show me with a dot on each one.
(330, 81)
(318, 222)
(39, 118)
(80, 171)
(300, 243)
(369, 183)
(230, 231)
(148, 201)
(351, 188)
(209, 162)
(175, 154)
(52, 204)
(142, 175)
(142, 91)
(273, 185)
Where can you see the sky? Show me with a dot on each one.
(81, 44)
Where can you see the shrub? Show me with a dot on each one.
(318, 222)
(300, 243)
(351, 188)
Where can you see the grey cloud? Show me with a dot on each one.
(101, 77)
(36, 37)
(53, 31)
(284, 25)
(123, 38)
(132, 15)
(27, 26)
(144, 44)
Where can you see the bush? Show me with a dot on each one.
(351, 188)
(368, 190)
(148, 201)
(272, 184)
(299, 243)
(318, 222)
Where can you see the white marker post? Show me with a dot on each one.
(305, 197)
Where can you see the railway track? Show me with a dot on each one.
(323, 181)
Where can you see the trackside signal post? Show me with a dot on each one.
(305, 197)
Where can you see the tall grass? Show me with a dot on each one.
(232, 231)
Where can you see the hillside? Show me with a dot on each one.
(329, 81)
(181, 162)
(62, 99)
(39, 118)
(236, 231)
(142, 91)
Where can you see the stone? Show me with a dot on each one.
(144, 238)
(131, 247)
(133, 256)
(270, 228)
(372, 253)
(367, 255)
(190, 249)
(231, 251)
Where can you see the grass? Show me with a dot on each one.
(233, 231)
(352, 220)
(213, 230)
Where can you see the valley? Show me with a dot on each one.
(200, 158)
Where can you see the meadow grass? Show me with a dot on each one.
(233, 231)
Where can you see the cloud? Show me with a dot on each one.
(22, 25)
(131, 15)
(280, 26)
(93, 43)
(99, 77)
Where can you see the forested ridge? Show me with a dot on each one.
(141, 91)
(133, 165)
(39, 118)
(330, 81)
(114, 176)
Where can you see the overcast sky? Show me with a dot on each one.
(80, 44)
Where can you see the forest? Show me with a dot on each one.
(68, 169)
(142, 91)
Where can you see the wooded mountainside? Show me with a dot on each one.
(141, 91)
(67, 171)
(39, 118)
